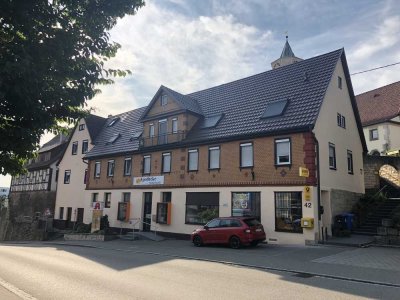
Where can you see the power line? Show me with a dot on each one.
(376, 68)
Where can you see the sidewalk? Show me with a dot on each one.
(374, 265)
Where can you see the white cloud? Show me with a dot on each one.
(163, 47)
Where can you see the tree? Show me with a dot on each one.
(52, 55)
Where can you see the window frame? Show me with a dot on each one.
(61, 213)
(164, 100)
(202, 206)
(334, 165)
(107, 200)
(110, 168)
(74, 150)
(97, 175)
(340, 82)
(213, 148)
(350, 162)
(85, 142)
(164, 154)
(341, 120)
(85, 178)
(144, 164)
(67, 179)
(371, 134)
(242, 145)
(95, 197)
(253, 204)
(152, 130)
(299, 202)
(125, 166)
(283, 140)
(81, 127)
(174, 125)
(193, 150)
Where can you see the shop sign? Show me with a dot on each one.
(307, 193)
(98, 205)
(303, 172)
(148, 180)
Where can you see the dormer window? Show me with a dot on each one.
(164, 100)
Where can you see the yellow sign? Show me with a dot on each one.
(303, 172)
(307, 193)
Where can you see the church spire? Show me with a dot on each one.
(287, 56)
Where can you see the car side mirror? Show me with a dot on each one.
(205, 227)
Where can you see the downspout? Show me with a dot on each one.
(318, 187)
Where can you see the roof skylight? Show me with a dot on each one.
(113, 138)
(113, 121)
(136, 135)
(275, 109)
(211, 121)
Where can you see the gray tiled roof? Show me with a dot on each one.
(242, 104)
(287, 51)
(94, 124)
(244, 101)
(127, 125)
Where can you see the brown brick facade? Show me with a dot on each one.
(264, 171)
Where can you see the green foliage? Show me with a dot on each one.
(83, 228)
(367, 204)
(52, 56)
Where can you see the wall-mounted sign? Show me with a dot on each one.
(303, 172)
(148, 180)
(307, 193)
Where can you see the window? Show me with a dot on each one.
(174, 125)
(61, 215)
(350, 162)
(282, 152)
(201, 207)
(151, 130)
(113, 121)
(107, 200)
(341, 121)
(288, 211)
(211, 121)
(110, 168)
(339, 82)
(166, 197)
(113, 138)
(332, 156)
(166, 162)
(95, 197)
(85, 145)
(246, 155)
(193, 164)
(246, 204)
(164, 100)
(67, 176)
(126, 197)
(74, 148)
(85, 178)
(163, 215)
(275, 109)
(82, 127)
(213, 157)
(97, 167)
(146, 164)
(127, 166)
(373, 134)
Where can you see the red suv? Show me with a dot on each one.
(235, 231)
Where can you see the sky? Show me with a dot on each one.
(190, 45)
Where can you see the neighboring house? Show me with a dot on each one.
(72, 170)
(380, 116)
(236, 149)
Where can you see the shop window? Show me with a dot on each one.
(164, 213)
(201, 207)
(288, 212)
(123, 211)
(246, 204)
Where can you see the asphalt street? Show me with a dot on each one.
(177, 270)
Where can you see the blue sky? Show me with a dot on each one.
(189, 45)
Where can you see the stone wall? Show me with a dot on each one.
(343, 201)
(372, 164)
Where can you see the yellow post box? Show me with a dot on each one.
(307, 222)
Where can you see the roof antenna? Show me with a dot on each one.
(287, 36)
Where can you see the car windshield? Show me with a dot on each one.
(251, 222)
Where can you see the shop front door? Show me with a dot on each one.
(147, 211)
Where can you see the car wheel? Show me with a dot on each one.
(234, 242)
(197, 241)
(254, 243)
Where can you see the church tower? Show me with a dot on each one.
(287, 57)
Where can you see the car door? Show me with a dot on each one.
(211, 231)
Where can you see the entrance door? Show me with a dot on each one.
(79, 217)
(69, 217)
(147, 211)
(162, 132)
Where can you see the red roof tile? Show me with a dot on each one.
(379, 105)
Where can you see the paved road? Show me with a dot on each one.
(137, 271)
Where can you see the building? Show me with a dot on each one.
(380, 117)
(72, 171)
(33, 194)
(276, 145)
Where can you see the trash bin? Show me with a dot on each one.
(348, 218)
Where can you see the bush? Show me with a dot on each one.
(83, 228)
(367, 204)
